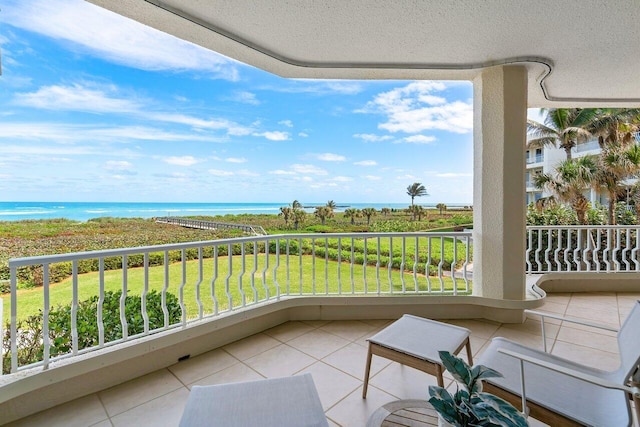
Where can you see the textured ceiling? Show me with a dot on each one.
(577, 52)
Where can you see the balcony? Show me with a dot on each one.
(535, 159)
(334, 352)
(268, 306)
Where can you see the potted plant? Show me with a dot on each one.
(469, 406)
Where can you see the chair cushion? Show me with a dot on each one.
(576, 399)
(278, 402)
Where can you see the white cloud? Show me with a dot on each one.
(90, 97)
(235, 160)
(303, 135)
(452, 175)
(419, 139)
(318, 87)
(181, 160)
(372, 177)
(330, 157)
(273, 135)
(408, 177)
(308, 169)
(342, 179)
(281, 172)
(245, 97)
(246, 172)
(366, 163)
(369, 137)
(111, 37)
(413, 108)
(116, 165)
(218, 172)
(287, 123)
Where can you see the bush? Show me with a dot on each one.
(31, 348)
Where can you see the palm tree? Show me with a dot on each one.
(416, 190)
(298, 217)
(286, 212)
(562, 127)
(441, 207)
(571, 178)
(369, 212)
(417, 211)
(352, 213)
(323, 212)
(296, 204)
(385, 211)
(331, 205)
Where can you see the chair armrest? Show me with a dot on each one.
(635, 391)
(544, 314)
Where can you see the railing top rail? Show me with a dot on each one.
(50, 259)
(177, 219)
(581, 227)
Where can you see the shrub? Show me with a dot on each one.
(31, 348)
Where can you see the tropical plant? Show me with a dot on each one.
(417, 212)
(369, 212)
(323, 212)
(299, 217)
(563, 128)
(296, 205)
(416, 190)
(385, 211)
(441, 207)
(331, 205)
(352, 213)
(470, 406)
(286, 212)
(571, 178)
(617, 162)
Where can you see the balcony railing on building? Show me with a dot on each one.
(535, 159)
(137, 292)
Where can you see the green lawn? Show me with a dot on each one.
(306, 275)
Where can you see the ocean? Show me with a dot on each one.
(83, 211)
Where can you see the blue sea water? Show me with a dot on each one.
(83, 211)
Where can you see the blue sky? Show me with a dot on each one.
(96, 107)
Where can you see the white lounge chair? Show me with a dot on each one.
(558, 391)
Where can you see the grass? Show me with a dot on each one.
(306, 274)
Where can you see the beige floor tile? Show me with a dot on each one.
(354, 411)
(332, 424)
(348, 329)
(378, 323)
(352, 360)
(163, 411)
(633, 296)
(251, 346)
(233, 374)
(105, 423)
(607, 316)
(125, 396)
(534, 327)
(559, 297)
(480, 328)
(586, 355)
(288, 331)
(588, 339)
(579, 326)
(332, 385)
(476, 345)
(318, 343)
(403, 382)
(80, 412)
(193, 369)
(553, 307)
(315, 323)
(280, 361)
(530, 340)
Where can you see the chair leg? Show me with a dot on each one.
(469, 356)
(366, 373)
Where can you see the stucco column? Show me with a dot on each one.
(499, 198)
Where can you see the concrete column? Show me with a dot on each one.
(499, 198)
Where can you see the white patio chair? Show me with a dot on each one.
(558, 391)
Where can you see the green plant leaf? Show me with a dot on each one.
(497, 411)
(444, 404)
(458, 368)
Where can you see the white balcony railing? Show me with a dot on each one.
(583, 248)
(115, 296)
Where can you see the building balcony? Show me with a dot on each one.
(288, 304)
(535, 160)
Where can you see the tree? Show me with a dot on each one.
(562, 128)
(416, 190)
(369, 212)
(441, 207)
(286, 212)
(385, 211)
(323, 212)
(353, 214)
(417, 211)
(296, 204)
(572, 177)
(331, 205)
(299, 217)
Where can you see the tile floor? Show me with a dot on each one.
(334, 352)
